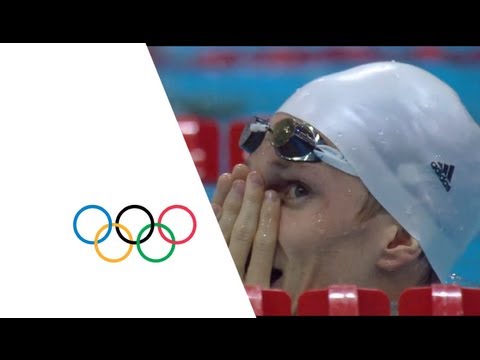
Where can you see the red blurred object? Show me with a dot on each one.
(334, 53)
(343, 300)
(269, 302)
(284, 56)
(440, 300)
(218, 59)
(236, 154)
(469, 57)
(428, 53)
(202, 137)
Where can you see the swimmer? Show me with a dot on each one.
(369, 176)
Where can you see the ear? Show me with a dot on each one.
(399, 250)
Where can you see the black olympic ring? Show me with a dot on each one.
(150, 216)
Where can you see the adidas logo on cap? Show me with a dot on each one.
(444, 173)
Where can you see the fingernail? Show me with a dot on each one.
(271, 195)
(225, 176)
(255, 178)
(239, 186)
(239, 166)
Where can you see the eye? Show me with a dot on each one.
(297, 190)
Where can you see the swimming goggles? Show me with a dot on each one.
(293, 140)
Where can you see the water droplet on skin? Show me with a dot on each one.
(319, 217)
(242, 227)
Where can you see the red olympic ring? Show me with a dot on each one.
(177, 242)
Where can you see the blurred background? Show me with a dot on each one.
(213, 90)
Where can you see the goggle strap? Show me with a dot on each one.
(333, 158)
(259, 127)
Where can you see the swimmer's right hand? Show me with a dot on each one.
(248, 217)
(224, 185)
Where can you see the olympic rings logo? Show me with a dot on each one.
(139, 240)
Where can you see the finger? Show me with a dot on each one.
(240, 171)
(264, 245)
(225, 181)
(224, 184)
(217, 209)
(246, 224)
(231, 208)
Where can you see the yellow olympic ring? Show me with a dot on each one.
(95, 243)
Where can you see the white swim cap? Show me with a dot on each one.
(412, 143)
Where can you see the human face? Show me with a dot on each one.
(320, 241)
